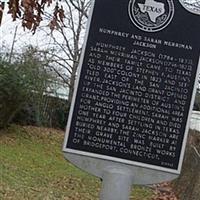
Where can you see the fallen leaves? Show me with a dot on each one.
(164, 191)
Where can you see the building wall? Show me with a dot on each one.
(195, 120)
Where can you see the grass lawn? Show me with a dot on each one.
(32, 167)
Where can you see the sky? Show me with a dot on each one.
(25, 38)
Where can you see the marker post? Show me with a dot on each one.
(117, 183)
(129, 119)
(118, 178)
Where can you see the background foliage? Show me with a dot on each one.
(28, 92)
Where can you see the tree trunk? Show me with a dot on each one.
(72, 84)
(187, 186)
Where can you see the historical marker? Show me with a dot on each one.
(136, 85)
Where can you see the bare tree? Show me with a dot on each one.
(67, 34)
(66, 25)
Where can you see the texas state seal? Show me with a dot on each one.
(151, 15)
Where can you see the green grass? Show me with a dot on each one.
(32, 167)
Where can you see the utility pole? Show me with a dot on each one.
(13, 44)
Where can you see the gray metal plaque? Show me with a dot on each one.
(136, 85)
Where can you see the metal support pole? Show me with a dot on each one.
(116, 185)
(118, 177)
